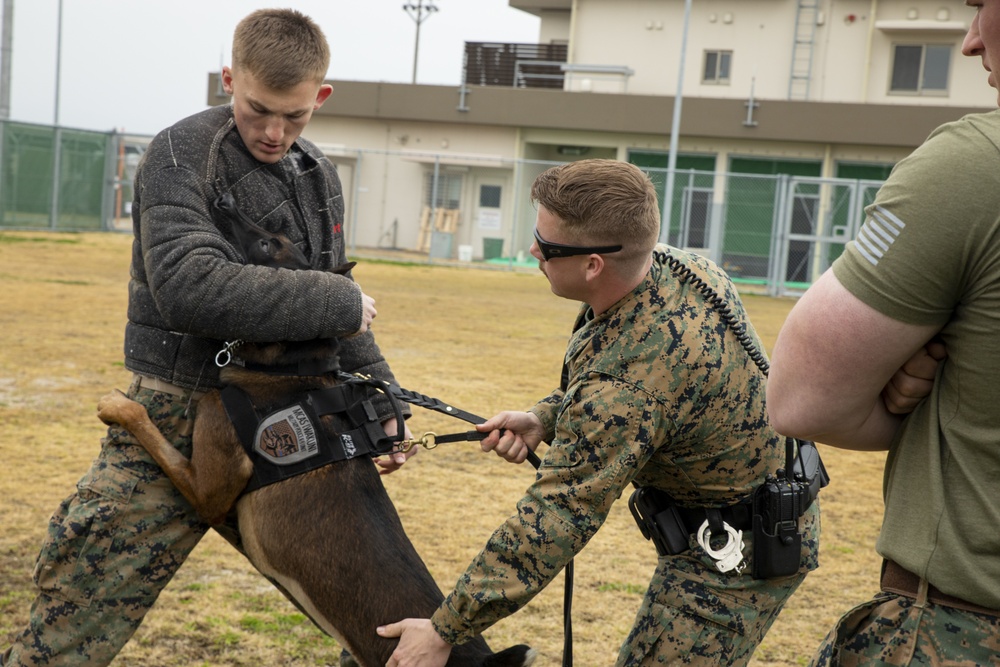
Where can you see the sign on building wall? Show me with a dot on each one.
(489, 219)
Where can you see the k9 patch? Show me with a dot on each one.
(286, 437)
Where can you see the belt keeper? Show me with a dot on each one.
(922, 589)
(715, 522)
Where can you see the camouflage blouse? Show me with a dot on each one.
(659, 391)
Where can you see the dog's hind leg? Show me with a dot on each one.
(116, 408)
(218, 470)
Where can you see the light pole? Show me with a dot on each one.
(59, 20)
(6, 49)
(675, 130)
(57, 131)
(419, 12)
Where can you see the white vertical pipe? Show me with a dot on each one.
(675, 130)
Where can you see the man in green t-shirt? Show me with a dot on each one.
(923, 272)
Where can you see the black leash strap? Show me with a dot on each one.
(437, 405)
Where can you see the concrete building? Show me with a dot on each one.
(830, 91)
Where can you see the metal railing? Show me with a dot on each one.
(499, 64)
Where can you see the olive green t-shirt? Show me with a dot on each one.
(929, 254)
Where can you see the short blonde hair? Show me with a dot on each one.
(604, 202)
(281, 48)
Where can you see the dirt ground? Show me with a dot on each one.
(479, 339)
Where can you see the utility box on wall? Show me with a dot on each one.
(441, 245)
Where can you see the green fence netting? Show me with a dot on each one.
(29, 161)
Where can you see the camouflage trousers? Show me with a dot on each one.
(693, 614)
(111, 548)
(895, 630)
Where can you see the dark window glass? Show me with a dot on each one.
(906, 68)
(489, 196)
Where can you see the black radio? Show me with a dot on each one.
(777, 505)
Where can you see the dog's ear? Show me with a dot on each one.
(343, 268)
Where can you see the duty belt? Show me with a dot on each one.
(739, 516)
(670, 525)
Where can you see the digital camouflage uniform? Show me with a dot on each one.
(98, 574)
(897, 631)
(661, 393)
(116, 542)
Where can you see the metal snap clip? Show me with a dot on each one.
(225, 355)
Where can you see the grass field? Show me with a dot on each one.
(482, 340)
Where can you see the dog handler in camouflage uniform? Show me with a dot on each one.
(658, 391)
(924, 271)
(116, 542)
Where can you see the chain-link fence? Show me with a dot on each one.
(55, 178)
(777, 233)
(774, 232)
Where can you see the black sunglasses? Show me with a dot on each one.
(551, 250)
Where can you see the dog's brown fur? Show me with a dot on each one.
(330, 538)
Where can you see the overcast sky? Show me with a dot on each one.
(141, 65)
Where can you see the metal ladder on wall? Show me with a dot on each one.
(802, 49)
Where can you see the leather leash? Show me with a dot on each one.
(431, 440)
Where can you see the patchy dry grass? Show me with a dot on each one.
(483, 340)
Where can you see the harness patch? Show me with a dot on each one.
(286, 437)
(350, 451)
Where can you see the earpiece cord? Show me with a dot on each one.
(739, 329)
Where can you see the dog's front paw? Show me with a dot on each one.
(116, 408)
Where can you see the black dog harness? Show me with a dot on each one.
(291, 441)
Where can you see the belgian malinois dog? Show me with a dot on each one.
(331, 537)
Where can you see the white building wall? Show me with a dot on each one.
(841, 51)
(554, 27)
(851, 51)
(384, 178)
(383, 164)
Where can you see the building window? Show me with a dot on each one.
(717, 65)
(489, 196)
(920, 69)
(447, 193)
